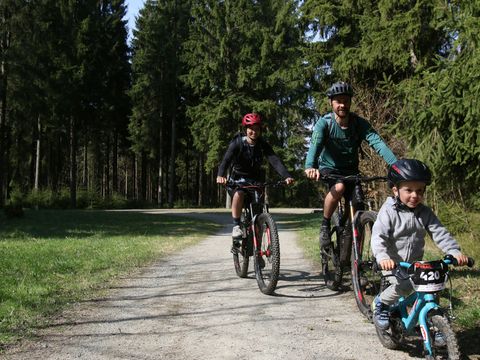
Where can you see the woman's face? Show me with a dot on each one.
(253, 133)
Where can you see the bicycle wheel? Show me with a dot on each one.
(331, 270)
(241, 255)
(365, 276)
(267, 254)
(393, 336)
(444, 341)
(240, 259)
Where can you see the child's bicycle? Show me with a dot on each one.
(351, 233)
(420, 311)
(260, 238)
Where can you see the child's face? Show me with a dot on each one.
(410, 192)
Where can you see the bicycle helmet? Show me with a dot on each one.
(340, 88)
(251, 119)
(409, 170)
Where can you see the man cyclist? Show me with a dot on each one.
(334, 149)
(246, 153)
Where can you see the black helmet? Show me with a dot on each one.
(340, 88)
(409, 170)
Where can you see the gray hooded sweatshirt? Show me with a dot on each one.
(399, 233)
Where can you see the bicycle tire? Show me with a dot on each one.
(331, 268)
(241, 259)
(267, 253)
(241, 255)
(393, 336)
(366, 278)
(440, 324)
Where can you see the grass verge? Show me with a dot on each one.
(465, 281)
(50, 258)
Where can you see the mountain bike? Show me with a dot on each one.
(260, 238)
(420, 313)
(351, 234)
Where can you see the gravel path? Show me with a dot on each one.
(193, 306)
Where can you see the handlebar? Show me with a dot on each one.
(254, 184)
(353, 178)
(448, 259)
(401, 273)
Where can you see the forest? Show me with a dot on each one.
(91, 119)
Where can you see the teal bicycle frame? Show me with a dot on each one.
(421, 304)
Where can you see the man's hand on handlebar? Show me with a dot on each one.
(312, 173)
(221, 180)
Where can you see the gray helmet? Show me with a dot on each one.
(409, 170)
(340, 88)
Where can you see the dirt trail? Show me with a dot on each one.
(193, 306)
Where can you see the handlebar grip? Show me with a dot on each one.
(470, 262)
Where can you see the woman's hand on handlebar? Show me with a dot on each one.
(312, 173)
(289, 180)
(221, 180)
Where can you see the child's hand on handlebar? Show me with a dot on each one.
(312, 173)
(289, 180)
(221, 180)
(461, 259)
(387, 264)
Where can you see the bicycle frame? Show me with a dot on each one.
(354, 207)
(254, 203)
(421, 304)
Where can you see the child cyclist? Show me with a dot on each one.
(247, 153)
(399, 232)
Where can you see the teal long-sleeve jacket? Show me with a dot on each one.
(337, 148)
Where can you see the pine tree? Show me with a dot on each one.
(243, 56)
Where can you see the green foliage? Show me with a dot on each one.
(440, 111)
(242, 56)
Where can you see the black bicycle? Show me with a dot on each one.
(260, 237)
(351, 234)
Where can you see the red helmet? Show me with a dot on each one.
(251, 119)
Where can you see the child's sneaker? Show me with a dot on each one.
(439, 340)
(381, 315)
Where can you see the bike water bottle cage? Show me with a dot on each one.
(428, 276)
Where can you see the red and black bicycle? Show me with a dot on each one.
(260, 236)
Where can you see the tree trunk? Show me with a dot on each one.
(73, 164)
(173, 156)
(115, 162)
(37, 157)
(85, 164)
(161, 156)
(106, 168)
(4, 44)
(200, 180)
(143, 190)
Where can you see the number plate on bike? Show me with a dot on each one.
(428, 276)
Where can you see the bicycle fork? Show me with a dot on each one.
(425, 303)
(256, 242)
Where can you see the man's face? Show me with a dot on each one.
(341, 105)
